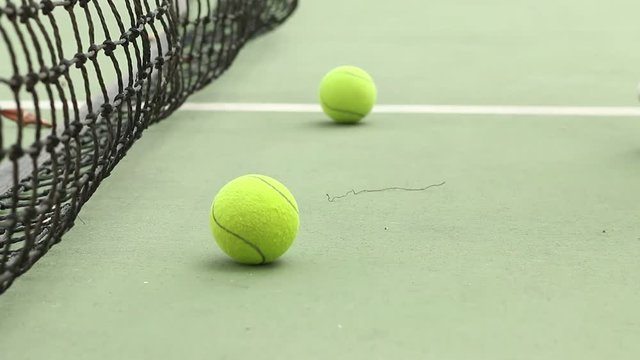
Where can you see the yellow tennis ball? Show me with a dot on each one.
(254, 219)
(347, 94)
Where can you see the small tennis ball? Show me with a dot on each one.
(254, 219)
(347, 94)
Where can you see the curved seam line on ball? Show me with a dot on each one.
(252, 245)
(355, 75)
(279, 192)
(342, 111)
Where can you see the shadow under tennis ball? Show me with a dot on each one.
(226, 265)
(328, 124)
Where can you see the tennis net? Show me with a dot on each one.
(83, 79)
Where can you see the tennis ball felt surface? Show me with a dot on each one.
(254, 219)
(347, 94)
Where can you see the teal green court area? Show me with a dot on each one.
(528, 249)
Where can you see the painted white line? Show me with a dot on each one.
(595, 111)
(252, 107)
(425, 109)
(510, 110)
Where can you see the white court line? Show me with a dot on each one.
(592, 111)
(425, 109)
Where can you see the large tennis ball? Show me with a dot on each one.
(254, 219)
(347, 94)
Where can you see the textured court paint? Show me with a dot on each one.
(508, 260)
(529, 252)
(450, 52)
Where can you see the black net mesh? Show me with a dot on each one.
(100, 72)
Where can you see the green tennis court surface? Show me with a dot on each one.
(528, 251)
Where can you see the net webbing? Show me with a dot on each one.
(99, 72)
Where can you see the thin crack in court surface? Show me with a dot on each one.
(359, 192)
